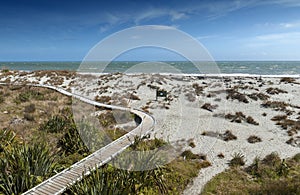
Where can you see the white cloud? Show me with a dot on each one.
(152, 13)
(289, 3)
(290, 24)
(177, 15)
(206, 37)
(290, 39)
(291, 36)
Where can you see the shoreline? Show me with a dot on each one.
(219, 75)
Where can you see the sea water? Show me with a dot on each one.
(225, 67)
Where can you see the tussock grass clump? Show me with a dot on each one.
(188, 154)
(237, 160)
(239, 117)
(235, 95)
(198, 89)
(287, 80)
(253, 139)
(250, 120)
(276, 105)
(279, 117)
(256, 96)
(191, 143)
(294, 141)
(190, 96)
(293, 126)
(103, 99)
(273, 91)
(209, 107)
(28, 117)
(272, 159)
(134, 97)
(228, 135)
(292, 131)
(2, 99)
(30, 108)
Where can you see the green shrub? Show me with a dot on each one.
(237, 160)
(187, 154)
(1, 99)
(7, 137)
(297, 157)
(72, 143)
(30, 108)
(28, 95)
(55, 124)
(24, 166)
(28, 117)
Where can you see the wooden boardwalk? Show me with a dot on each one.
(59, 182)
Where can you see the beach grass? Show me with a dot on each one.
(270, 175)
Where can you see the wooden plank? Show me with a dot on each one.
(53, 187)
(42, 191)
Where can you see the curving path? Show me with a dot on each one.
(59, 182)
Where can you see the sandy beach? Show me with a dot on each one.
(245, 114)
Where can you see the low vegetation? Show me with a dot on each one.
(273, 91)
(235, 95)
(226, 136)
(237, 160)
(276, 105)
(287, 80)
(34, 150)
(254, 139)
(167, 179)
(239, 117)
(270, 175)
(292, 126)
(256, 96)
(209, 107)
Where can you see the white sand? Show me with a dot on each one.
(184, 119)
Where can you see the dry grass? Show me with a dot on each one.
(198, 89)
(228, 135)
(209, 107)
(292, 126)
(235, 95)
(276, 105)
(256, 96)
(221, 155)
(288, 80)
(273, 91)
(103, 99)
(254, 139)
(25, 108)
(239, 117)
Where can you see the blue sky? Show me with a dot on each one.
(230, 30)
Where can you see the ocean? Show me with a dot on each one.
(226, 67)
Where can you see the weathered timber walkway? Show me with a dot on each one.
(59, 182)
